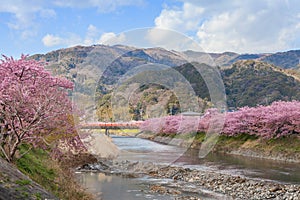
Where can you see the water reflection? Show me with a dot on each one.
(104, 178)
(246, 166)
(144, 150)
(135, 149)
(111, 187)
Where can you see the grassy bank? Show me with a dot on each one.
(122, 132)
(284, 148)
(288, 144)
(54, 177)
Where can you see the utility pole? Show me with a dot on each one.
(141, 113)
(171, 109)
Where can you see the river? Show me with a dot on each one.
(111, 187)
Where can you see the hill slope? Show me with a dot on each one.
(285, 60)
(247, 82)
(15, 185)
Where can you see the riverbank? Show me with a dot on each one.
(16, 185)
(37, 176)
(285, 149)
(186, 183)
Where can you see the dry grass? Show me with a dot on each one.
(68, 188)
(55, 176)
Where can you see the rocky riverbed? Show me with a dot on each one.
(185, 183)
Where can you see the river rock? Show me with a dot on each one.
(184, 181)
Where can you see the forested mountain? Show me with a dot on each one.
(286, 60)
(249, 83)
(249, 79)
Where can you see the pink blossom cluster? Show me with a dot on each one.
(273, 121)
(34, 105)
(178, 124)
(278, 119)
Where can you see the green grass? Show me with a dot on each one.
(199, 137)
(196, 137)
(23, 194)
(34, 164)
(23, 182)
(39, 166)
(241, 137)
(38, 196)
(289, 145)
(130, 132)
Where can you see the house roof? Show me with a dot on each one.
(191, 113)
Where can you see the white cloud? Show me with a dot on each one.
(28, 33)
(47, 13)
(71, 39)
(101, 5)
(111, 38)
(170, 39)
(24, 12)
(92, 36)
(244, 29)
(52, 40)
(186, 18)
(24, 15)
(241, 26)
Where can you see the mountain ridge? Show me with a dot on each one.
(249, 79)
(285, 59)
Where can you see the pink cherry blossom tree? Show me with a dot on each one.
(276, 120)
(279, 119)
(34, 106)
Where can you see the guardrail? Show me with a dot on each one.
(112, 125)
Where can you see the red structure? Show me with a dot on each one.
(112, 125)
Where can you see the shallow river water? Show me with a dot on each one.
(135, 149)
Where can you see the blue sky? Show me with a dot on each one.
(40, 26)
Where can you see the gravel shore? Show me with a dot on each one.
(185, 183)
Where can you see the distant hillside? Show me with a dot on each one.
(245, 57)
(289, 59)
(285, 60)
(249, 83)
(62, 60)
(249, 79)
